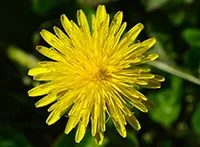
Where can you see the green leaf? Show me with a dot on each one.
(21, 57)
(166, 143)
(167, 104)
(9, 137)
(154, 4)
(42, 7)
(192, 59)
(192, 36)
(133, 138)
(64, 140)
(177, 17)
(69, 140)
(196, 120)
(92, 3)
(89, 141)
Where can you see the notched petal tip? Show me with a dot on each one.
(65, 21)
(62, 17)
(119, 16)
(101, 12)
(99, 138)
(80, 12)
(47, 36)
(67, 25)
(56, 29)
(101, 9)
(80, 15)
(101, 6)
(39, 47)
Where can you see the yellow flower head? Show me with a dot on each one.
(94, 74)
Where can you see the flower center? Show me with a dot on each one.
(101, 75)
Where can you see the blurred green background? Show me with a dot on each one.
(175, 121)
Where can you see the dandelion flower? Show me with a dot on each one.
(94, 74)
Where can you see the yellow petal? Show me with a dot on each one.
(46, 100)
(66, 24)
(148, 43)
(41, 89)
(132, 120)
(114, 27)
(150, 57)
(154, 84)
(119, 33)
(72, 122)
(140, 82)
(149, 104)
(134, 32)
(80, 132)
(94, 27)
(99, 137)
(95, 115)
(100, 13)
(50, 53)
(60, 34)
(120, 128)
(82, 21)
(48, 36)
(93, 126)
(37, 70)
(48, 76)
(159, 78)
(116, 23)
(145, 76)
(75, 115)
(53, 117)
(117, 117)
(64, 38)
(142, 96)
(142, 48)
(130, 36)
(53, 41)
(139, 105)
(58, 112)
